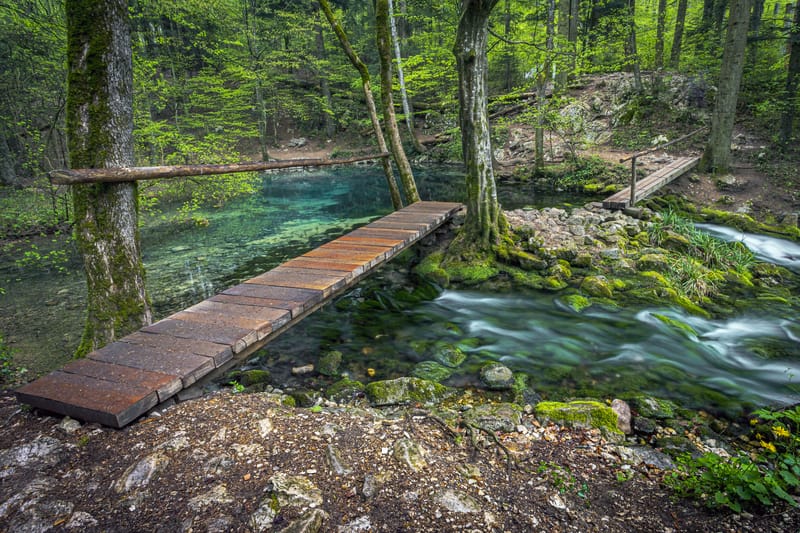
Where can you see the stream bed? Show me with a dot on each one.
(386, 326)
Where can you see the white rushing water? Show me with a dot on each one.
(769, 249)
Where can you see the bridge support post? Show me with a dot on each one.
(632, 201)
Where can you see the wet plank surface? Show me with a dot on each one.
(123, 380)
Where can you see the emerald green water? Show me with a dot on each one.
(390, 322)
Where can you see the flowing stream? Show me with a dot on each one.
(387, 326)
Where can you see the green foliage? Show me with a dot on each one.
(769, 475)
(9, 371)
(236, 387)
(31, 211)
(562, 479)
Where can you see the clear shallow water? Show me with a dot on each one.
(604, 352)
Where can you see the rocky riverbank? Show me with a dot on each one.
(247, 462)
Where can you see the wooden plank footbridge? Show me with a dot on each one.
(125, 379)
(641, 189)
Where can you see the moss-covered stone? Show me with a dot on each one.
(404, 391)
(449, 355)
(675, 241)
(431, 268)
(577, 302)
(655, 278)
(597, 286)
(344, 390)
(525, 278)
(251, 377)
(496, 376)
(328, 364)
(552, 283)
(582, 260)
(560, 270)
(431, 371)
(653, 262)
(495, 417)
(675, 323)
(650, 407)
(582, 414)
(471, 273)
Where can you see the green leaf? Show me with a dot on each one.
(789, 478)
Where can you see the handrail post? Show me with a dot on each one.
(633, 182)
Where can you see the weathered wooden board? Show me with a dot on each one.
(187, 366)
(167, 344)
(111, 404)
(237, 338)
(165, 385)
(123, 380)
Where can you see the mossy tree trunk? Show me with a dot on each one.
(677, 36)
(384, 42)
(407, 109)
(541, 84)
(482, 227)
(717, 155)
(100, 134)
(792, 80)
(372, 110)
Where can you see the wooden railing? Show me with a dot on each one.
(633, 158)
(123, 174)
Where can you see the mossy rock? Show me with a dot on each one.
(496, 376)
(404, 391)
(654, 277)
(495, 417)
(430, 268)
(593, 187)
(567, 254)
(560, 270)
(328, 364)
(526, 260)
(305, 397)
(580, 414)
(431, 371)
(582, 260)
(552, 283)
(577, 302)
(675, 323)
(344, 390)
(249, 378)
(653, 263)
(449, 355)
(524, 278)
(675, 241)
(597, 286)
(472, 273)
(655, 408)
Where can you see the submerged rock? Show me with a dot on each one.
(497, 376)
(431, 371)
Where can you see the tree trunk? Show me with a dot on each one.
(792, 79)
(677, 38)
(384, 42)
(541, 86)
(330, 126)
(564, 10)
(508, 56)
(397, 201)
(661, 21)
(100, 134)
(407, 111)
(8, 175)
(632, 51)
(717, 155)
(755, 28)
(482, 226)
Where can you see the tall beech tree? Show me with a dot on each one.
(482, 228)
(792, 79)
(384, 42)
(717, 155)
(100, 134)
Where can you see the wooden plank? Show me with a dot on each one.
(312, 272)
(294, 299)
(356, 268)
(405, 236)
(358, 248)
(237, 338)
(651, 183)
(277, 317)
(165, 385)
(300, 281)
(259, 328)
(368, 258)
(167, 344)
(411, 226)
(88, 399)
(188, 367)
(395, 244)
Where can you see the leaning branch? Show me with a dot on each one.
(122, 174)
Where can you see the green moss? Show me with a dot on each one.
(431, 371)
(561, 270)
(596, 286)
(677, 324)
(471, 273)
(577, 302)
(592, 188)
(582, 260)
(653, 262)
(250, 377)
(431, 268)
(552, 283)
(656, 277)
(583, 414)
(525, 278)
(449, 355)
(405, 390)
(344, 390)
